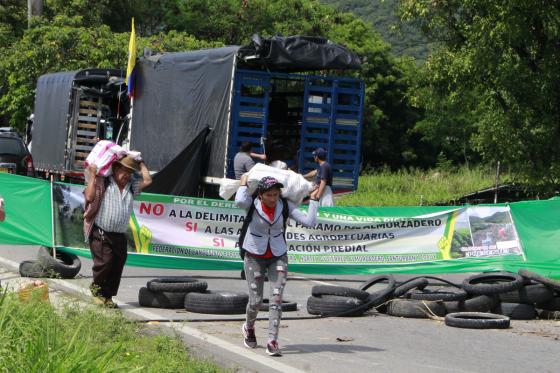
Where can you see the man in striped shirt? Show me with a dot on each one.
(111, 201)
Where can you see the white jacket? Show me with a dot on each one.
(261, 232)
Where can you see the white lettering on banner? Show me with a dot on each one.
(209, 228)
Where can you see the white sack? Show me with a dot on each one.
(228, 187)
(296, 187)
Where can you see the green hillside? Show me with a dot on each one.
(405, 39)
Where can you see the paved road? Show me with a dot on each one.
(374, 342)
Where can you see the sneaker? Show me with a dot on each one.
(272, 349)
(250, 340)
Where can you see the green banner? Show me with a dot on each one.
(194, 233)
(28, 211)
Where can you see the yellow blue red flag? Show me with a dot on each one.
(130, 71)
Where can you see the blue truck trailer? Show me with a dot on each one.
(191, 111)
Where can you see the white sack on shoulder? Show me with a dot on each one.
(102, 155)
(228, 187)
(296, 187)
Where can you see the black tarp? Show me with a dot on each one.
(50, 120)
(297, 53)
(181, 177)
(177, 96)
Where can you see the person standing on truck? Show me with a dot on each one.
(243, 160)
(323, 178)
(106, 217)
(264, 249)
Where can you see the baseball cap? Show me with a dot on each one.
(267, 183)
(320, 152)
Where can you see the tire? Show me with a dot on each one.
(543, 280)
(286, 306)
(552, 305)
(416, 283)
(334, 306)
(217, 302)
(320, 290)
(477, 320)
(517, 311)
(177, 285)
(31, 268)
(481, 303)
(415, 308)
(441, 295)
(529, 294)
(65, 265)
(376, 279)
(492, 283)
(378, 298)
(148, 298)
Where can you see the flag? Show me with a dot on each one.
(130, 71)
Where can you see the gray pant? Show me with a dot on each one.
(255, 269)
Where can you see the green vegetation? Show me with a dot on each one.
(36, 338)
(416, 187)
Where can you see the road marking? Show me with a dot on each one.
(207, 338)
(311, 280)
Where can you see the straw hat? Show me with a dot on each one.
(129, 162)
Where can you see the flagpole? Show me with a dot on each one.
(130, 77)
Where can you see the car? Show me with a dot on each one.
(14, 156)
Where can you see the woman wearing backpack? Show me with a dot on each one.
(265, 249)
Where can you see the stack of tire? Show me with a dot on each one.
(169, 292)
(482, 300)
(338, 301)
(62, 265)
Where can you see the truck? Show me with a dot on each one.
(190, 112)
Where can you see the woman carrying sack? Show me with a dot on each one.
(265, 249)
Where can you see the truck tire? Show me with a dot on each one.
(31, 268)
(552, 305)
(177, 285)
(287, 306)
(172, 300)
(528, 294)
(65, 265)
(217, 302)
(441, 294)
(553, 284)
(415, 308)
(492, 283)
(481, 303)
(405, 287)
(320, 290)
(477, 320)
(517, 311)
(334, 306)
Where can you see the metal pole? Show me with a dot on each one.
(53, 217)
(497, 181)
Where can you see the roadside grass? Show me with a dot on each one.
(36, 337)
(417, 187)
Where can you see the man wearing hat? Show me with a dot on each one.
(323, 179)
(106, 216)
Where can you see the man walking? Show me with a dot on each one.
(106, 217)
(243, 160)
(323, 179)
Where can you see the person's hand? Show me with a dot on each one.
(92, 169)
(243, 179)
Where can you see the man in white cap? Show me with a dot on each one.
(323, 179)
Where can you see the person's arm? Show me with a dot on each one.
(319, 192)
(242, 198)
(308, 219)
(89, 192)
(146, 178)
(258, 156)
(310, 174)
(2, 211)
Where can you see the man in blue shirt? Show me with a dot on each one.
(323, 179)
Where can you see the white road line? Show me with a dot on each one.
(207, 338)
(311, 280)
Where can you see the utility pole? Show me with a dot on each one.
(34, 9)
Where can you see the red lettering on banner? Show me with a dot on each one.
(146, 208)
(191, 227)
(219, 242)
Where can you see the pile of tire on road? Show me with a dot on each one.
(61, 265)
(481, 301)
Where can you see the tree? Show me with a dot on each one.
(501, 60)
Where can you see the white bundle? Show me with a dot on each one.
(103, 154)
(296, 187)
